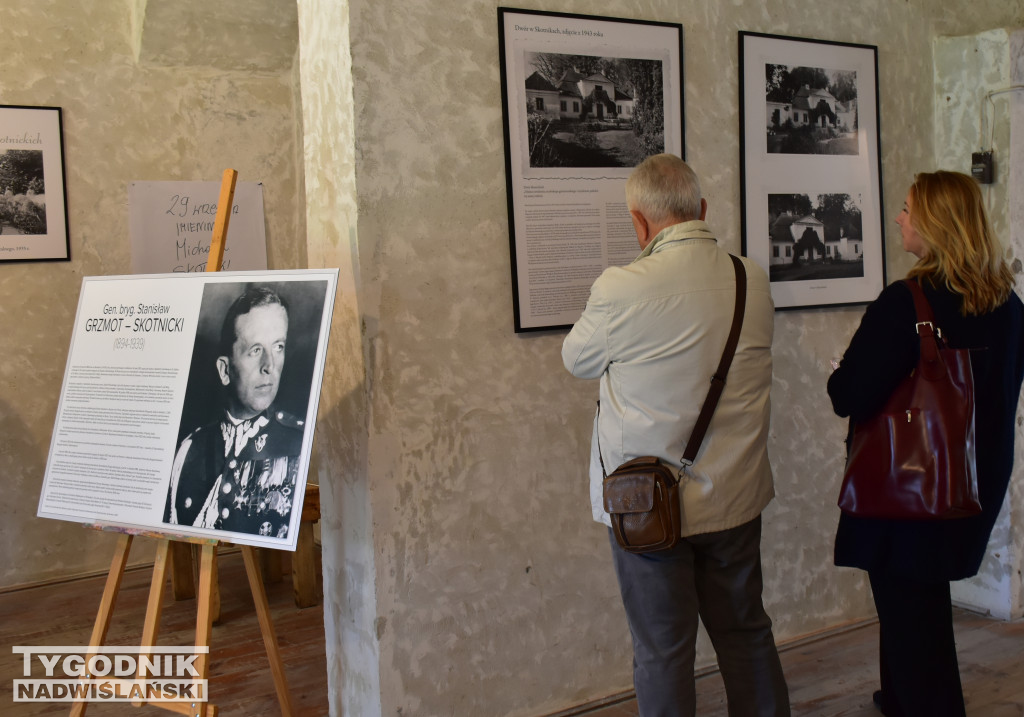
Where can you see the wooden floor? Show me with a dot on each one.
(837, 674)
(240, 681)
(829, 676)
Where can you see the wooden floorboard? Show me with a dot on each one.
(240, 679)
(835, 676)
(831, 676)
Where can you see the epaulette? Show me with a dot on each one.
(288, 420)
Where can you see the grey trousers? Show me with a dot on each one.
(718, 577)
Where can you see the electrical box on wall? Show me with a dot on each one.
(981, 167)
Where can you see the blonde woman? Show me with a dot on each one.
(910, 563)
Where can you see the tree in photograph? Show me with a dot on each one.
(844, 85)
(553, 66)
(538, 135)
(781, 82)
(22, 213)
(21, 170)
(814, 77)
(648, 104)
(776, 83)
(30, 218)
(840, 216)
(799, 205)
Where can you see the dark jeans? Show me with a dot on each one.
(916, 648)
(718, 577)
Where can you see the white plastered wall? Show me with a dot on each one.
(463, 574)
(493, 592)
(968, 69)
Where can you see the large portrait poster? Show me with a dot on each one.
(189, 402)
(585, 100)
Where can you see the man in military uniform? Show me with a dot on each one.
(238, 474)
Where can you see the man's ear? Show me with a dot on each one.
(222, 370)
(643, 229)
(703, 208)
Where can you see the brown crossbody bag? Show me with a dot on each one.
(642, 495)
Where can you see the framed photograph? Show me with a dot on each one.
(585, 99)
(811, 179)
(33, 210)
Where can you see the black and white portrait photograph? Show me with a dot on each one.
(244, 416)
(814, 237)
(33, 211)
(590, 111)
(810, 110)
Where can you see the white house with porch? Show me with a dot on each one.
(575, 95)
(786, 231)
(807, 106)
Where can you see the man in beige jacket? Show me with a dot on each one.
(653, 332)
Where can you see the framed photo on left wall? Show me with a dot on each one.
(33, 206)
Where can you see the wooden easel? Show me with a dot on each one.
(207, 602)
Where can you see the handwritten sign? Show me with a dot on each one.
(171, 224)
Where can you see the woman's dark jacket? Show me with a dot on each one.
(882, 352)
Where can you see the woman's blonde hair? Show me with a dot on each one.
(948, 214)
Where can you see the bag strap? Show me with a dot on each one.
(930, 335)
(717, 379)
(921, 306)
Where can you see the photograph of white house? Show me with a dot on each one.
(814, 238)
(590, 111)
(577, 96)
(810, 110)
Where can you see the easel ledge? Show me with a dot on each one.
(207, 599)
(148, 533)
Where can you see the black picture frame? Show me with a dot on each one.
(584, 100)
(811, 183)
(33, 188)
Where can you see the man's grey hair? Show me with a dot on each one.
(662, 188)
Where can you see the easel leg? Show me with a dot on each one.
(156, 590)
(99, 629)
(182, 572)
(204, 606)
(304, 568)
(207, 604)
(270, 564)
(154, 606)
(259, 596)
